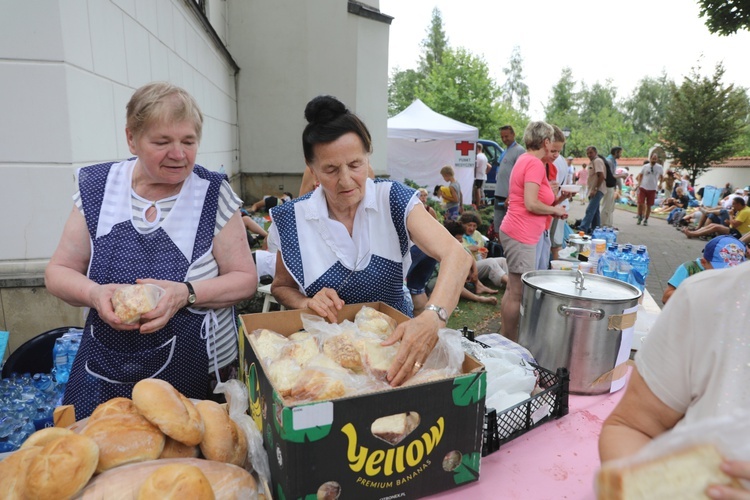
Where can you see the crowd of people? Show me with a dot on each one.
(161, 219)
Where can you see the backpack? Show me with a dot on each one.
(611, 181)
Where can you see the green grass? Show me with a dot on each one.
(482, 318)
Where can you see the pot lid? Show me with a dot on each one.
(595, 287)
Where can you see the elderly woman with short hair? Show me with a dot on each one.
(531, 203)
(348, 240)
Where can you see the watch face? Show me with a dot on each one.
(191, 298)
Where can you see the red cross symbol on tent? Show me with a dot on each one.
(464, 147)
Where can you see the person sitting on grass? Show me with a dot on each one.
(720, 252)
(268, 202)
(737, 223)
(493, 268)
(457, 230)
(255, 232)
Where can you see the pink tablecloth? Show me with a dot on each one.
(556, 460)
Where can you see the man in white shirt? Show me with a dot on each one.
(648, 181)
(480, 175)
(571, 171)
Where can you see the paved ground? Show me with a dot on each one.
(667, 247)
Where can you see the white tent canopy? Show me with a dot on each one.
(421, 142)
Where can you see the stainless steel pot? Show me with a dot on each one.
(575, 320)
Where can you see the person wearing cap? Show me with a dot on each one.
(719, 253)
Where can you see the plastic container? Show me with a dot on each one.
(585, 266)
(563, 265)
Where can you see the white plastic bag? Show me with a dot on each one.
(130, 301)
(237, 401)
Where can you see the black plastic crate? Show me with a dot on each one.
(500, 428)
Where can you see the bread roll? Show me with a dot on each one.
(62, 468)
(301, 351)
(370, 320)
(228, 482)
(341, 349)
(175, 449)
(123, 439)
(378, 358)
(268, 344)
(283, 374)
(300, 335)
(13, 472)
(129, 302)
(170, 411)
(684, 474)
(316, 385)
(44, 436)
(115, 406)
(176, 482)
(222, 440)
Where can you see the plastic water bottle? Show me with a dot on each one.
(607, 265)
(640, 268)
(60, 357)
(624, 265)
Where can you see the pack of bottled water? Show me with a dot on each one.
(626, 263)
(27, 401)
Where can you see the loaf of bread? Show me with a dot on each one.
(228, 481)
(175, 449)
(318, 385)
(62, 467)
(114, 406)
(124, 439)
(170, 411)
(370, 320)
(223, 440)
(44, 436)
(684, 474)
(129, 302)
(341, 349)
(176, 482)
(13, 470)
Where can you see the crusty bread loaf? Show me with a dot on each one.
(114, 406)
(62, 468)
(228, 481)
(283, 374)
(170, 411)
(176, 482)
(222, 441)
(129, 302)
(124, 439)
(370, 320)
(44, 436)
(684, 474)
(13, 470)
(300, 335)
(341, 349)
(175, 449)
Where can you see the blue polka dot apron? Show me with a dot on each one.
(110, 362)
(377, 274)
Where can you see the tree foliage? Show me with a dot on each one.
(725, 17)
(434, 45)
(706, 122)
(648, 105)
(402, 90)
(515, 91)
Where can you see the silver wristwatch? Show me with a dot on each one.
(441, 312)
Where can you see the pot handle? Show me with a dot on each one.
(580, 312)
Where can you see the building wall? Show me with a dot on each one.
(318, 48)
(67, 70)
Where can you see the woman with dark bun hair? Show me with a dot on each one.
(348, 240)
